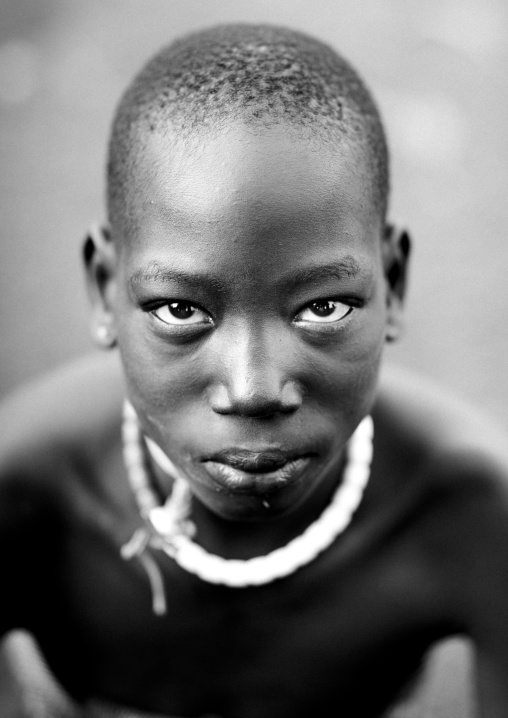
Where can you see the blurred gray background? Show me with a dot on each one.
(438, 69)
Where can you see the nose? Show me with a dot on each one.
(254, 377)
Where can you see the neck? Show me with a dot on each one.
(169, 529)
(247, 538)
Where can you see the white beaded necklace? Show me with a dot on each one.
(168, 528)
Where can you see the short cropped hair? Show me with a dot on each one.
(259, 74)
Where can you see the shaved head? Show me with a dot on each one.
(258, 75)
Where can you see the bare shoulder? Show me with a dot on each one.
(53, 434)
(68, 410)
(55, 431)
(462, 474)
(452, 457)
(442, 427)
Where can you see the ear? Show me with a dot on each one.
(396, 251)
(99, 258)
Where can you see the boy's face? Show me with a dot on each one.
(250, 304)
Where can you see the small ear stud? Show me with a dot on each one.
(104, 336)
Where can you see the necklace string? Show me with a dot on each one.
(167, 527)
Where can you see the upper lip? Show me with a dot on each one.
(261, 461)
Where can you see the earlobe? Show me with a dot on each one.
(396, 251)
(100, 264)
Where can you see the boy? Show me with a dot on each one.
(269, 531)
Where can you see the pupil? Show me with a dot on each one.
(181, 310)
(323, 309)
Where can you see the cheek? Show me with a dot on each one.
(345, 384)
(164, 383)
(345, 377)
(366, 353)
(160, 384)
(169, 401)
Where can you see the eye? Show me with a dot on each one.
(181, 313)
(324, 311)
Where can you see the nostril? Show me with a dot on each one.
(256, 405)
(264, 410)
(254, 409)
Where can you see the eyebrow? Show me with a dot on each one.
(156, 273)
(347, 267)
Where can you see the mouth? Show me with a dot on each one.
(255, 471)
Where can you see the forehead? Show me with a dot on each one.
(247, 187)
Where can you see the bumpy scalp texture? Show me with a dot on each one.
(258, 74)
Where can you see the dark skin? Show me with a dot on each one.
(284, 352)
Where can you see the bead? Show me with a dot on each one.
(130, 432)
(132, 454)
(162, 521)
(137, 478)
(174, 530)
(146, 498)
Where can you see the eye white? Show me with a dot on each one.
(324, 311)
(181, 314)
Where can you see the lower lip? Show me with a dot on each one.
(245, 481)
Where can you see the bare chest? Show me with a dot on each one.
(294, 647)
